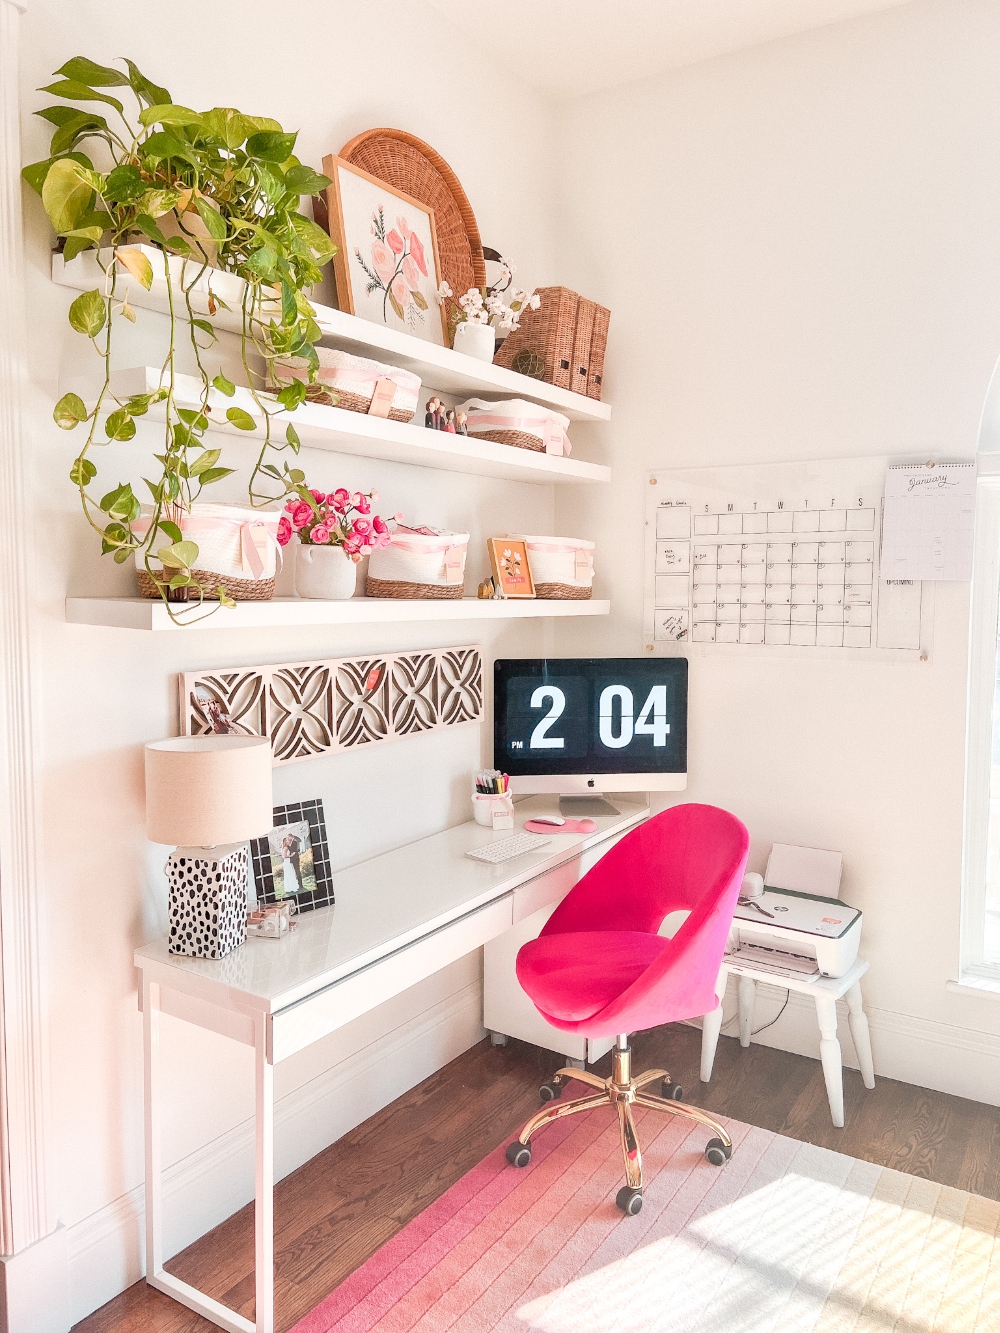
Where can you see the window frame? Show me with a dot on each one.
(982, 684)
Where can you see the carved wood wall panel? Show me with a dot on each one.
(309, 709)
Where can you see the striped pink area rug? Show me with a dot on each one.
(787, 1238)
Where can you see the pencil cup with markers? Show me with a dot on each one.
(492, 804)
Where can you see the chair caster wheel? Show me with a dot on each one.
(518, 1154)
(672, 1092)
(717, 1152)
(629, 1200)
(498, 1039)
(548, 1092)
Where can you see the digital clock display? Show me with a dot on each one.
(590, 715)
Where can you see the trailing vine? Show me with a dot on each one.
(213, 190)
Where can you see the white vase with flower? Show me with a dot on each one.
(334, 532)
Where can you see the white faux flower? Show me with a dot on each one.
(443, 293)
(535, 301)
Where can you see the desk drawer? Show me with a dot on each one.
(547, 890)
(296, 1027)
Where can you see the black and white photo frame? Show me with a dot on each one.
(293, 860)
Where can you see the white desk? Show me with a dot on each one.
(398, 918)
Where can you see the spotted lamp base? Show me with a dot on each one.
(208, 900)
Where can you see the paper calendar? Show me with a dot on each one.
(776, 556)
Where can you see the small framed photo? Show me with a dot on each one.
(293, 860)
(386, 265)
(511, 567)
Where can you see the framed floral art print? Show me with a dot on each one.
(387, 266)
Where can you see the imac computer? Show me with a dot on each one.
(577, 727)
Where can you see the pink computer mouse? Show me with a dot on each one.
(554, 825)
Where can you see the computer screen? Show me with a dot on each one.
(591, 724)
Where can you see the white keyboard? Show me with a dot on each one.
(507, 848)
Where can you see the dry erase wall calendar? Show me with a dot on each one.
(781, 557)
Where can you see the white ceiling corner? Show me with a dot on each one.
(568, 47)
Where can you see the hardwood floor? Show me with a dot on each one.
(339, 1208)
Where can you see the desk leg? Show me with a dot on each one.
(747, 992)
(830, 1054)
(711, 1026)
(859, 1031)
(151, 1112)
(264, 1182)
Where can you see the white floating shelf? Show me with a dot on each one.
(147, 614)
(438, 367)
(345, 432)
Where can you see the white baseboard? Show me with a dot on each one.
(920, 1051)
(33, 1295)
(105, 1249)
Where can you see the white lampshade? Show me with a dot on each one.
(202, 791)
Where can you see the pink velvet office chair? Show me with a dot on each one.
(600, 968)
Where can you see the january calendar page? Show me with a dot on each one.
(781, 558)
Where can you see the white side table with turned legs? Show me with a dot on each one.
(825, 992)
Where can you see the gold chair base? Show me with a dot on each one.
(621, 1091)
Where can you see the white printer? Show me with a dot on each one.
(793, 921)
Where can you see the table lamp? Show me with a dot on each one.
(208, 795)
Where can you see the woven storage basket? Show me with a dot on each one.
(353, 380)
(562, 567)
(548, 333)
(598, 347)
(413, 167)
(518, 422)
(237, 551)
(419, 564)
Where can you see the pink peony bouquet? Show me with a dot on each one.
(342, 518)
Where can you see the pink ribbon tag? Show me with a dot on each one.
(381, 404)
(253, 548)
(583, 566)
(453, 563)
(553, 436)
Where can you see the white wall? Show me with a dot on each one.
(800, 245)
(330, 71)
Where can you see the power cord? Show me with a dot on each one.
(728, 1022)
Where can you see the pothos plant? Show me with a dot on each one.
(216, 189)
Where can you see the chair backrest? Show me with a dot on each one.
(690, 857)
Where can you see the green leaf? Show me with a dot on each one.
(59, 115)
(67, 194)
(205, 327)
(97, 76)
(155, 490)
(178, 245)
(181, 581)
(35, 173)
(115, 534)
(149, 228)
(181, 555)
(77, 124)
(120, 425)
(121, 555)
(69, 411)
(154, 203)
(77, 242)
(266, 146)
(169, 114)
(144, 90)
(292, 395)
(315, 238)
(289, 310)
(292, 436)
(242, 420)
(259, 123)
(82, 472)
(170, 530)
(262, 263)
(224, 598)
(214, 474)
(215, 223)
(223, 385)
(87, 314)
(137, 405)
(161, 146)
(121, 503)
(303, 180)
(137, 264)
(228, 124)
(123, 185)
(296, 475)
(76, 91)
(204, 461)
(196, 420)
